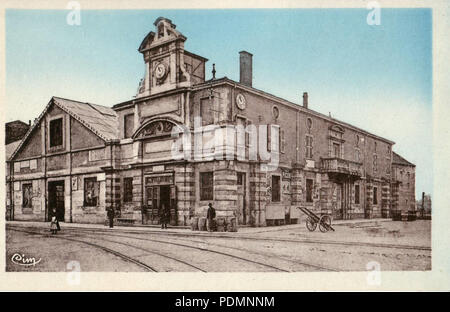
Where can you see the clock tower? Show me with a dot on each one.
(164, 56)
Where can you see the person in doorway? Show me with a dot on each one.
(110, 214)
(164, 216)
(210, 216)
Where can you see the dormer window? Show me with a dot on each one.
(56, 132)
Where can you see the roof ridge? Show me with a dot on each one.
(58, 97)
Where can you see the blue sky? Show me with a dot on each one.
(378, 77)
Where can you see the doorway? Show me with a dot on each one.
(241, 193)
(158, 196)
(164, 199)
(56, 200)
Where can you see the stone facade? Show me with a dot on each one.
(127, 157)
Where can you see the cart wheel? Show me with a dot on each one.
(324, 223)
(311, 225)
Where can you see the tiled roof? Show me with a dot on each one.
(399, 160)
(101, 120)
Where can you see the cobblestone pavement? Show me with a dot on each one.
(392, 245)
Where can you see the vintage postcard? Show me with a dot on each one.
(149, 143)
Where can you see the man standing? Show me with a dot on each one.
(111, 217)
(210, 215)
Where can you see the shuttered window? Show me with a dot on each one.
(127, 190)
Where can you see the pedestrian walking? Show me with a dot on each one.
(164, 216)
(110, 214)
(210, 216)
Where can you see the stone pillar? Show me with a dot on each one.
(225, 189)
(257, 196)
(296, 186)
(385, 200)
(369, 200)
(185, 184)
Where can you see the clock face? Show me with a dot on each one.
(160, 71)
(240, 101)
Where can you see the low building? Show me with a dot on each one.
(184, 142)
(15, 131)
(403, 185)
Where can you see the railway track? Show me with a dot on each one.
(267, 255)
(106, 249)
(201, 249)
(149, 268)
(255, 238)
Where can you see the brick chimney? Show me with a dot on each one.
(245, 68)
(305, 99)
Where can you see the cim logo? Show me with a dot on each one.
(20, 259)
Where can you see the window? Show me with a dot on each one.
(206, 111)
(358, 155)
(309, 125)
(375, 196)
(357, 140)
(56, 132)
(240, 178)
(357, 194)
(282, 141)
(128, 125)
(206, 186)
(375, 163)
(276, 188)
(91, 191)
(336, 150)
(309, 146)
(127, 190)
(309, 190)
(375, 146)
(27, 194)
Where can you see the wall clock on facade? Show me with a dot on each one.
(160, 71)
(240, 101)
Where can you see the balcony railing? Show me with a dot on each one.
(338, 165)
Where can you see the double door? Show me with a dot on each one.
(159, 197)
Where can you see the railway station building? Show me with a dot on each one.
(82, 158)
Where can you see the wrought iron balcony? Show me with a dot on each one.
(343, 166)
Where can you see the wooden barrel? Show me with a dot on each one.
(194, 224)
(202, 224)
(220, 228)
(231, 225)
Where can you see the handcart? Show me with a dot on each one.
(313, 220)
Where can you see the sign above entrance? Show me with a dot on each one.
(158, 168)
(160, 179)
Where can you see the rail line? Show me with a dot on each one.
(247, 237)
(267, 255)
(254, 238)
(114, 252)
(162, 242)
(202, 249)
